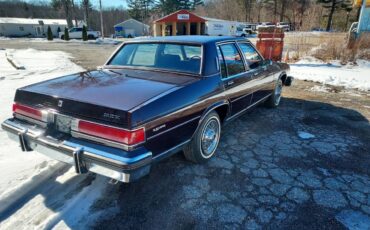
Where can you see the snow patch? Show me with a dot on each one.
(320, 88)
(16, 166)
(333, 73)
(305, 135)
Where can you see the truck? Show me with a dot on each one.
(218, 27)
(76, 33)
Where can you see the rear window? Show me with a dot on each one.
(166, 56)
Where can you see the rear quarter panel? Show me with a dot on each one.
(173, 118)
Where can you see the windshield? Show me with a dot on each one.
(166, 56)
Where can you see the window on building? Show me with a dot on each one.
(21, 28)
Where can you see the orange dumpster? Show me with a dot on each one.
(270, 43)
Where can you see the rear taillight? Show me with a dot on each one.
(127, 137)
(31, 112)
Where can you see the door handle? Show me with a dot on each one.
(230, 83)
(255, 74)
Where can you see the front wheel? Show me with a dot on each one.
(274, 100)
(205, 141)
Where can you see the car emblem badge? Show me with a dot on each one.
(60, 103)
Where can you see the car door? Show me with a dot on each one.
(259, 68)
(235, 76)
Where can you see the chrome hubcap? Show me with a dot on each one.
(278, 90)
(210, 138)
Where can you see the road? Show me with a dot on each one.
(304, 165)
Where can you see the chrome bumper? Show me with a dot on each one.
(85, 156)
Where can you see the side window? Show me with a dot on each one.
(79, 29)
(221, 61)
(233, 60)
(251, 55)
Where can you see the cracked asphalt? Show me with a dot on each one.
(304, 165)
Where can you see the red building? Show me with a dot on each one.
(181, 22)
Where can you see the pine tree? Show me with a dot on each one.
(184, 4)
(196, 3)
(50, 34)
(332, 6)
(66, 34)
(84, 33)
(139, 9)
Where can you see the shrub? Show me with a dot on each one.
(50, 34)
(66, 34)
(84, 33)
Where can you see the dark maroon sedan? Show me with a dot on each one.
(154, 97)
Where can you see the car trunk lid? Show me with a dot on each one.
(106, 95)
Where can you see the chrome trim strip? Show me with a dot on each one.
(243, 110)
(174, 127)
(104, 141)
(171, 150)
(202, 47)
(31, 120)
(239, 98)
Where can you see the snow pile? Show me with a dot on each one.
(333, 73)
(35, 191)
(15, 165)
(305, 135)
(99, 41)
(106, 41)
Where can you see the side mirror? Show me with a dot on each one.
(267, 62)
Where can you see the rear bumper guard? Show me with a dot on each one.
(85, 156)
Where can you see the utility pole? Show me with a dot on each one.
(101, 20)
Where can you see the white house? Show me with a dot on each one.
(131, 28)
(32, 27)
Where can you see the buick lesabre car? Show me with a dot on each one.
(153, 97)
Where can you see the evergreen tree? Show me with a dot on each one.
(140, 9)
(50, 34)
(184, 4)
(332, 6)
(66, 34)
(84, 33)
(196, 3)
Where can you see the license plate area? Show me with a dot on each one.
(63, 123)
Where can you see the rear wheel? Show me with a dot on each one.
(205, 141)
(274, 100)
(62, 37)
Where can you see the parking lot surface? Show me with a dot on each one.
(301, 166)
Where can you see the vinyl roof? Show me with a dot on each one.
(196, 39)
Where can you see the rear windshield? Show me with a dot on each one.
(166, 56)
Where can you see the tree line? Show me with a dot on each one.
(303, 14)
